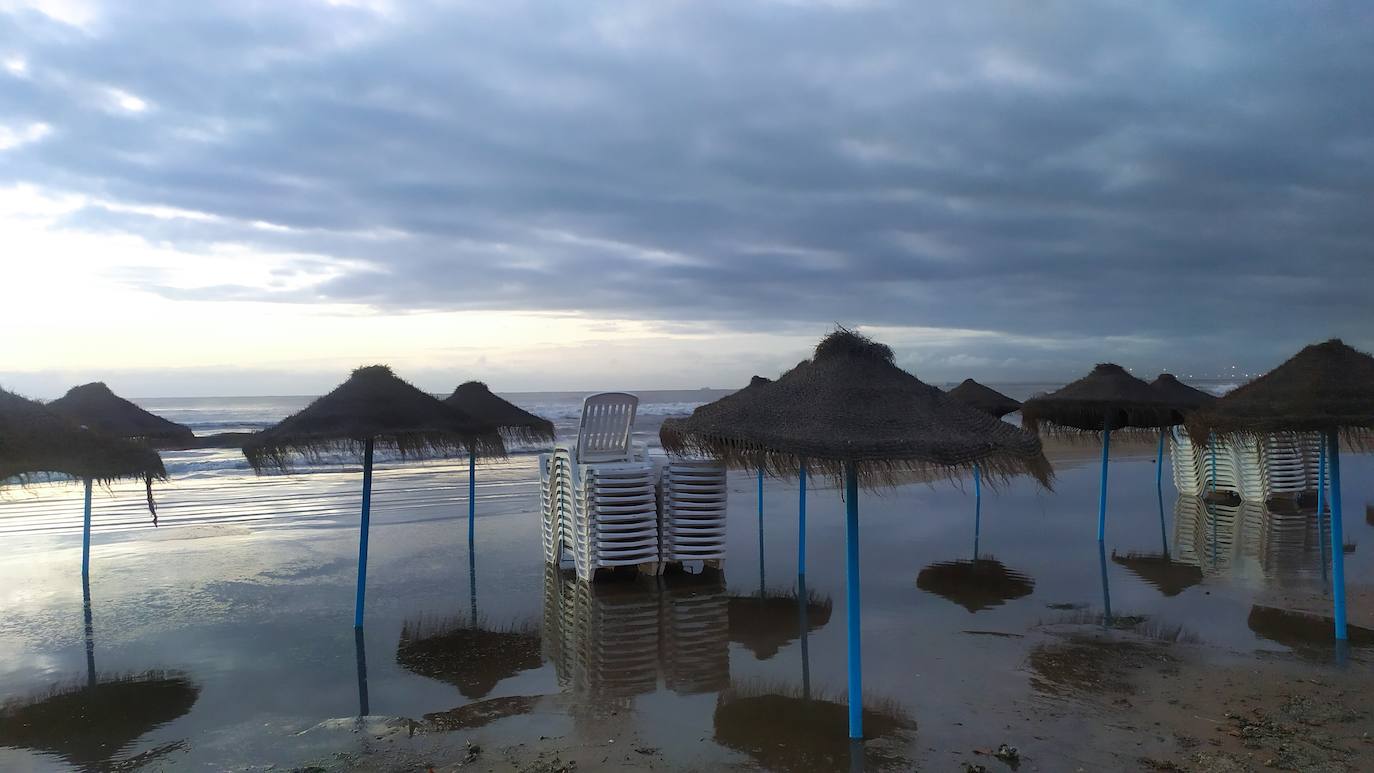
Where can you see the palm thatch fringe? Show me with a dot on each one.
(1326, 387)
(373, 404)
(850, 404)
(1108, 397)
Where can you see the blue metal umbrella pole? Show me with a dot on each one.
(802, 611)
(1337, 538)
(1159, 491)
(801, 525)
(472, 497)
(851, 511)
(1102, 494)
(977, 507)
(90, 633)
(761, 576)
(86, 537)
(362, 541)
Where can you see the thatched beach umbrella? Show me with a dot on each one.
(1106, 400)
(1185, 400)
(373, 407)
(975, 585)
(95, 406)
(990, 401)
(1326, 388)
(34, 440)
(852, 414)
(476, 400)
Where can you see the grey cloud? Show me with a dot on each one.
(1062, 172)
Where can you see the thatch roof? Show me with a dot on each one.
(1107, 394)
(473, 658)
(89, 725)
(766, 624)
(851, 404)
(783, 731)
(34, 440)
(476, 400)
(1326, 387)
(1184, 398)
(975, 585)
(985, 399)
(373, 403)
(95, 406)
(1168, 576)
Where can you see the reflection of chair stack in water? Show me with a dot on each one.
(602, 639)
(611, 640)
(600, 494)
(1247, 538)
(693, 511)
(694, 631)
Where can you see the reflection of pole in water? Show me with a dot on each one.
(802, 600)
(360, 651)
(90, 632)
(472, 582)
(1106, 594)
(1337, 540)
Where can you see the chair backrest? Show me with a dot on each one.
(604, 435)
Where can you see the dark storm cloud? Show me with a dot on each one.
(1112, 180)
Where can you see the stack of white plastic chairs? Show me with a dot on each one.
(692, 503)
(1256, 469)
(601, 493)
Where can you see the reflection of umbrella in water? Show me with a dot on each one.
(849, 412)
(783, 731)
(36, 440)
(474, 399)
(1300, 629)
(766, 624)
(472, 658)
(88, 724)
(372, 407)
(1106, 400)
(1326, 388)
(1168, 576)
(975, 585)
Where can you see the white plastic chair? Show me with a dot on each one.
(604, 434)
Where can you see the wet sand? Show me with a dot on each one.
(245, 594)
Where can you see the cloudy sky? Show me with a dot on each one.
(252, 197)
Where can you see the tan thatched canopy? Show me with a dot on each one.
(476, 400)
(985, 399)
(34, 440)
(1184, 398)
(1168, 576)
(373, 404)
(851, 404)
(1326, 387)
(1108, 395)
(95, 406)
(975, 585)
(88, 725)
